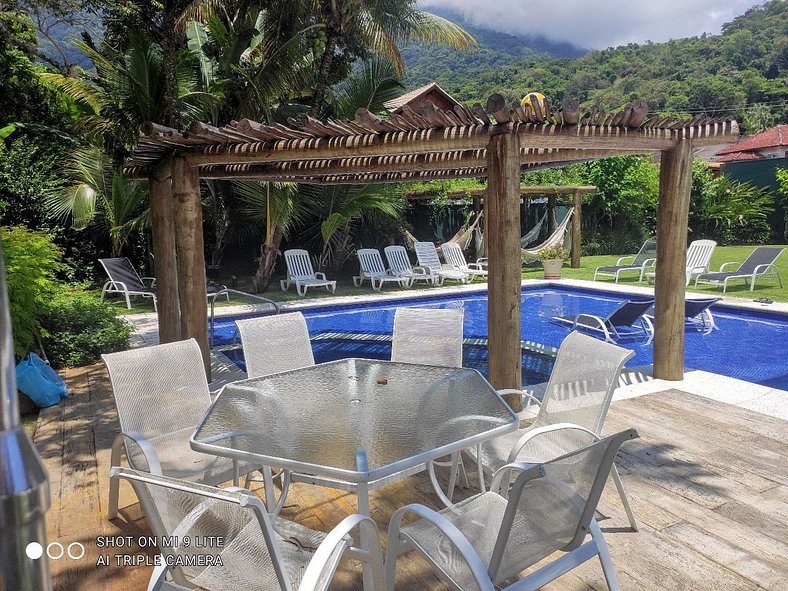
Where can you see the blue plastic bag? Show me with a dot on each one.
(40, 382)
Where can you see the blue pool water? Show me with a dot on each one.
(749, 345)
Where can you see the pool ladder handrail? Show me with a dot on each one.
(228, 291)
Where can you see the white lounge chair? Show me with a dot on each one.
(399, 262)
(645, 259)
(301, 273)
(161, 394)
(255, 550)
(484, 542)
(275, 343)
(453, 255)
(698, 258)
(760, 263)
(571, 413)
(371, 267)
(428, 257)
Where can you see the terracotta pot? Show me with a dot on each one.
(552, 268)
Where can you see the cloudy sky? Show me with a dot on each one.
(597, 24)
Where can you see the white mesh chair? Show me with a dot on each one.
(571, 413)
(276, 343)
(161, 394)
(428, 336)
(301, 273)
(452, 254)
(258, 552)
(428, 257)
(371, 267)
(399, 262)
(484, 542)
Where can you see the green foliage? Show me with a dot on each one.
(727, 211)
(552, 253)
(31, 262)
(782, 179)
(78, 328)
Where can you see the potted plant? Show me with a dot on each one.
(553, 258)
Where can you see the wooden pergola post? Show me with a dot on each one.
(551, 222)
(675, 183)
(502, 239)
(577, 202)
(191, 257)
(162, 214)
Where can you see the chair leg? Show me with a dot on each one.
(128, 301)
(604, 556)
(624, 500)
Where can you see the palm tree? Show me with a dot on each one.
(379, 25)
(97, 193)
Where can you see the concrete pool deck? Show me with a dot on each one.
(635, 381)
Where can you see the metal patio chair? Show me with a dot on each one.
(453, 255)
(760, 263)
(484, 542)
(626, 321)
(301, 273)
(371, 267)
(258, 552)
(571, 413)
(645, 259)
(276, 343)
(399, 262)
(428, 257)
(161, 394)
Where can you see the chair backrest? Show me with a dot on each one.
(551, 505)
(121, 269)
(582, 382)
(276, 343)
(453, 255)
(647, 251)
(629, 312)
(370, 261)
(398, 259)
(427, 255)
(428, 336)
(299, 265)
(763, 255)
(696, 306)
(699, 256)
(250, 555)
(159, 389)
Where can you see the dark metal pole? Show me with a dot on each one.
(24, 487)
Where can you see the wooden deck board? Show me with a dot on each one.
(707, 481)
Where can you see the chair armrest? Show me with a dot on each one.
(144, 445)
(422, 270)
(449, 530)
(476, 266)
(321, 276)
(532, 435)
(723, 265)
(649, 263)
(151, 279)
(762, 268)
(597, 319)
(621, 260)
(524, 395)
(496, 484)
(315, 571)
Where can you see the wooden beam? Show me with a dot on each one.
(675, 183)
(577, 202)
(191, 257)
(162, 216)
(502, 237)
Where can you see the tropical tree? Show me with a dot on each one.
(353, 27)
(98, 194)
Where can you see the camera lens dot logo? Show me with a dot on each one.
(34, 550)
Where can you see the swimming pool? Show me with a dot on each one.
(749, 345)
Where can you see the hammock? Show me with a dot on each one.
(555, 239)
(410, 240)
(464, 234)
(533, 233)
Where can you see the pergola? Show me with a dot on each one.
(577, 192)
(497, 142)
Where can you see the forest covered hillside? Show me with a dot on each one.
(742, 72)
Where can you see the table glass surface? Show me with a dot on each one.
(355, 419)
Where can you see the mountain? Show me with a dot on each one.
(742, 72)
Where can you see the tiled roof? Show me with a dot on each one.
(739, 156)
(776, 136)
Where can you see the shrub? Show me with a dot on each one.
(31, 262)
(78, 328)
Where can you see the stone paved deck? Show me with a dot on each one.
(708, 482)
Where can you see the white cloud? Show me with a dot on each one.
(597, 24)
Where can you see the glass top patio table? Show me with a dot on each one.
(355, 420)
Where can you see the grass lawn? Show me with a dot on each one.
(764, 287)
